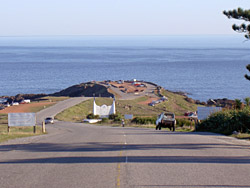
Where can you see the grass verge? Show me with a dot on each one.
(243, 136)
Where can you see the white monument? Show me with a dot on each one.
(104, 110)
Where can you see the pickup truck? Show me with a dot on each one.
(166, 120)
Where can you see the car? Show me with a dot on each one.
(166, 120)
(151, 104)
(192, 116)
(6, 104)
(1, 107)
(49, 120)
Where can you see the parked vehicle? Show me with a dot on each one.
(151, 104)
(166, 120)
(2, 107)
(25, 101)
(15, 104)
(6, 104)
(49, 120)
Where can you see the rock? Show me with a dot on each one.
(225, 103)
(211, 102)
(85, 89)
(190, 100)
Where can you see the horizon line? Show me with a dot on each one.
(137, 35)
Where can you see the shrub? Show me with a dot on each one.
(182, 122)
(105, 120)
(238, 104)
(227, 121)
(144, 120)
(92, 116)
(116, 117)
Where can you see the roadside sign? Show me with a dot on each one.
(128, 116)
(21, 119)
(204, 112)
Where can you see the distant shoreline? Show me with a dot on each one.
(128, 90)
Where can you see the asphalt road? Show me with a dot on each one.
(80, 155)
(58, 107)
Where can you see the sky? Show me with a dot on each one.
(116, 17)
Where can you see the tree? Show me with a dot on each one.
(241, 14)
(248, 68)
(238, 104)
(247, 101)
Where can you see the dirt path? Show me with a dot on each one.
(149, 91)
(148, 101)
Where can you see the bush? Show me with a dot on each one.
(92, 116)
(116, 117)
(105, 120)
(182, 122)
(144, 120)
(227, 121)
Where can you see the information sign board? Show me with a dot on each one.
(204, 112)
(128, 116)
(21, 119)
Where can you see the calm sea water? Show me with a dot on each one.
(203, 66)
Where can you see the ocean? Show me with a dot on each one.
(203, 66)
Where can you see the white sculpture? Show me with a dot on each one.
(104, 110)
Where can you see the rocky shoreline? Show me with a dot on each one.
(90, 89)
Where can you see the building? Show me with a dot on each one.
(104, 110)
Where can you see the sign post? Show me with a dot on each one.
(43, 127)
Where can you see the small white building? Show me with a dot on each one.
(104, 110)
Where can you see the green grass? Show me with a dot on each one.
(243, 136)
(39, 108)
(177, 103)
(76, 113)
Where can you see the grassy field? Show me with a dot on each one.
(176, 104)
(39, 108)
(15, 132)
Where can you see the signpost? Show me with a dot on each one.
(22, 119)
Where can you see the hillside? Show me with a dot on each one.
(138, 107)
(85, 89)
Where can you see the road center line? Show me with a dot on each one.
(118, 181)
(121, 154)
